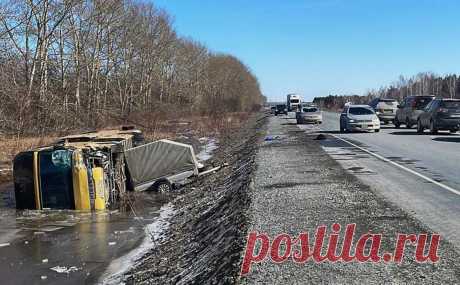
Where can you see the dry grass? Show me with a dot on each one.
(194, 125)
(154, 127)
(9, 147)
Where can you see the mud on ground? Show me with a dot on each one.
(207, 233)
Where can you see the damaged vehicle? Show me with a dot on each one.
(94, 171)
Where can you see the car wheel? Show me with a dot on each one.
(397, 123)
(419, 127)
(163, 186)
(433, 129)
(453, 131)
(408, 123)
(377, 130)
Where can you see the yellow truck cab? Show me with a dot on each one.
(82, 172)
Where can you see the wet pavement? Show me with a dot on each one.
(70, 247)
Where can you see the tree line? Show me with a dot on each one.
(447, 86)
(68, 64)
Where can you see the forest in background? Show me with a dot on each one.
(76, 64)
(447, 86)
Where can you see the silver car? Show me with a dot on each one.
(359, 118)
(385, 109)
(309, 115)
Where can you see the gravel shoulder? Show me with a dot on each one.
(298, 187)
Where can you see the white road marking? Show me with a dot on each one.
(400, 166)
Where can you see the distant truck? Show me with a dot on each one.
(293, 102)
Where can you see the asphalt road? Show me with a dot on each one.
(420, 173)
(298, 187)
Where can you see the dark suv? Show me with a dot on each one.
(281, 109)
(440, 114)
(409, 110)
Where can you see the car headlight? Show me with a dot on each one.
(351, 120)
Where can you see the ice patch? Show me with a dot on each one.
(209, 148)
(154, 233)
(64, 269)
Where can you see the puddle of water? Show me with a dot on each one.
(154, 233)
(208, 149)
(78, 245)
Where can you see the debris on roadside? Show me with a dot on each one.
(321, 137)
(64, 269)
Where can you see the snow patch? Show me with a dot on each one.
(64, 269)
(209, 148)
(154, 233)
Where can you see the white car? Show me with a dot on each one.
(359, 118)
(309, 115)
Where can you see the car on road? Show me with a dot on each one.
(309, 115)
(410, 109)
(281, 109)
(385, 109)
(359, 118)
(440, 114)
(272, 109)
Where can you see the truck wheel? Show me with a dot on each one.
(163, 186)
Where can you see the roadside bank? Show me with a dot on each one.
(207, 232)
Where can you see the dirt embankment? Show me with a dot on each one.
(207, 233)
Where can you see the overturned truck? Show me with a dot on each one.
(94, 171)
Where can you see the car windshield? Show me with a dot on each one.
(388, 102)
(451, 104)
(295, 101)
(310, 110)
(421, 103)
(280, 107)
(360, 111)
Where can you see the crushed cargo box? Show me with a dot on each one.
(161, 164)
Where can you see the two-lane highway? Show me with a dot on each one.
(439, 155)
(419, 173)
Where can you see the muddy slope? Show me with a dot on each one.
(207, 233)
